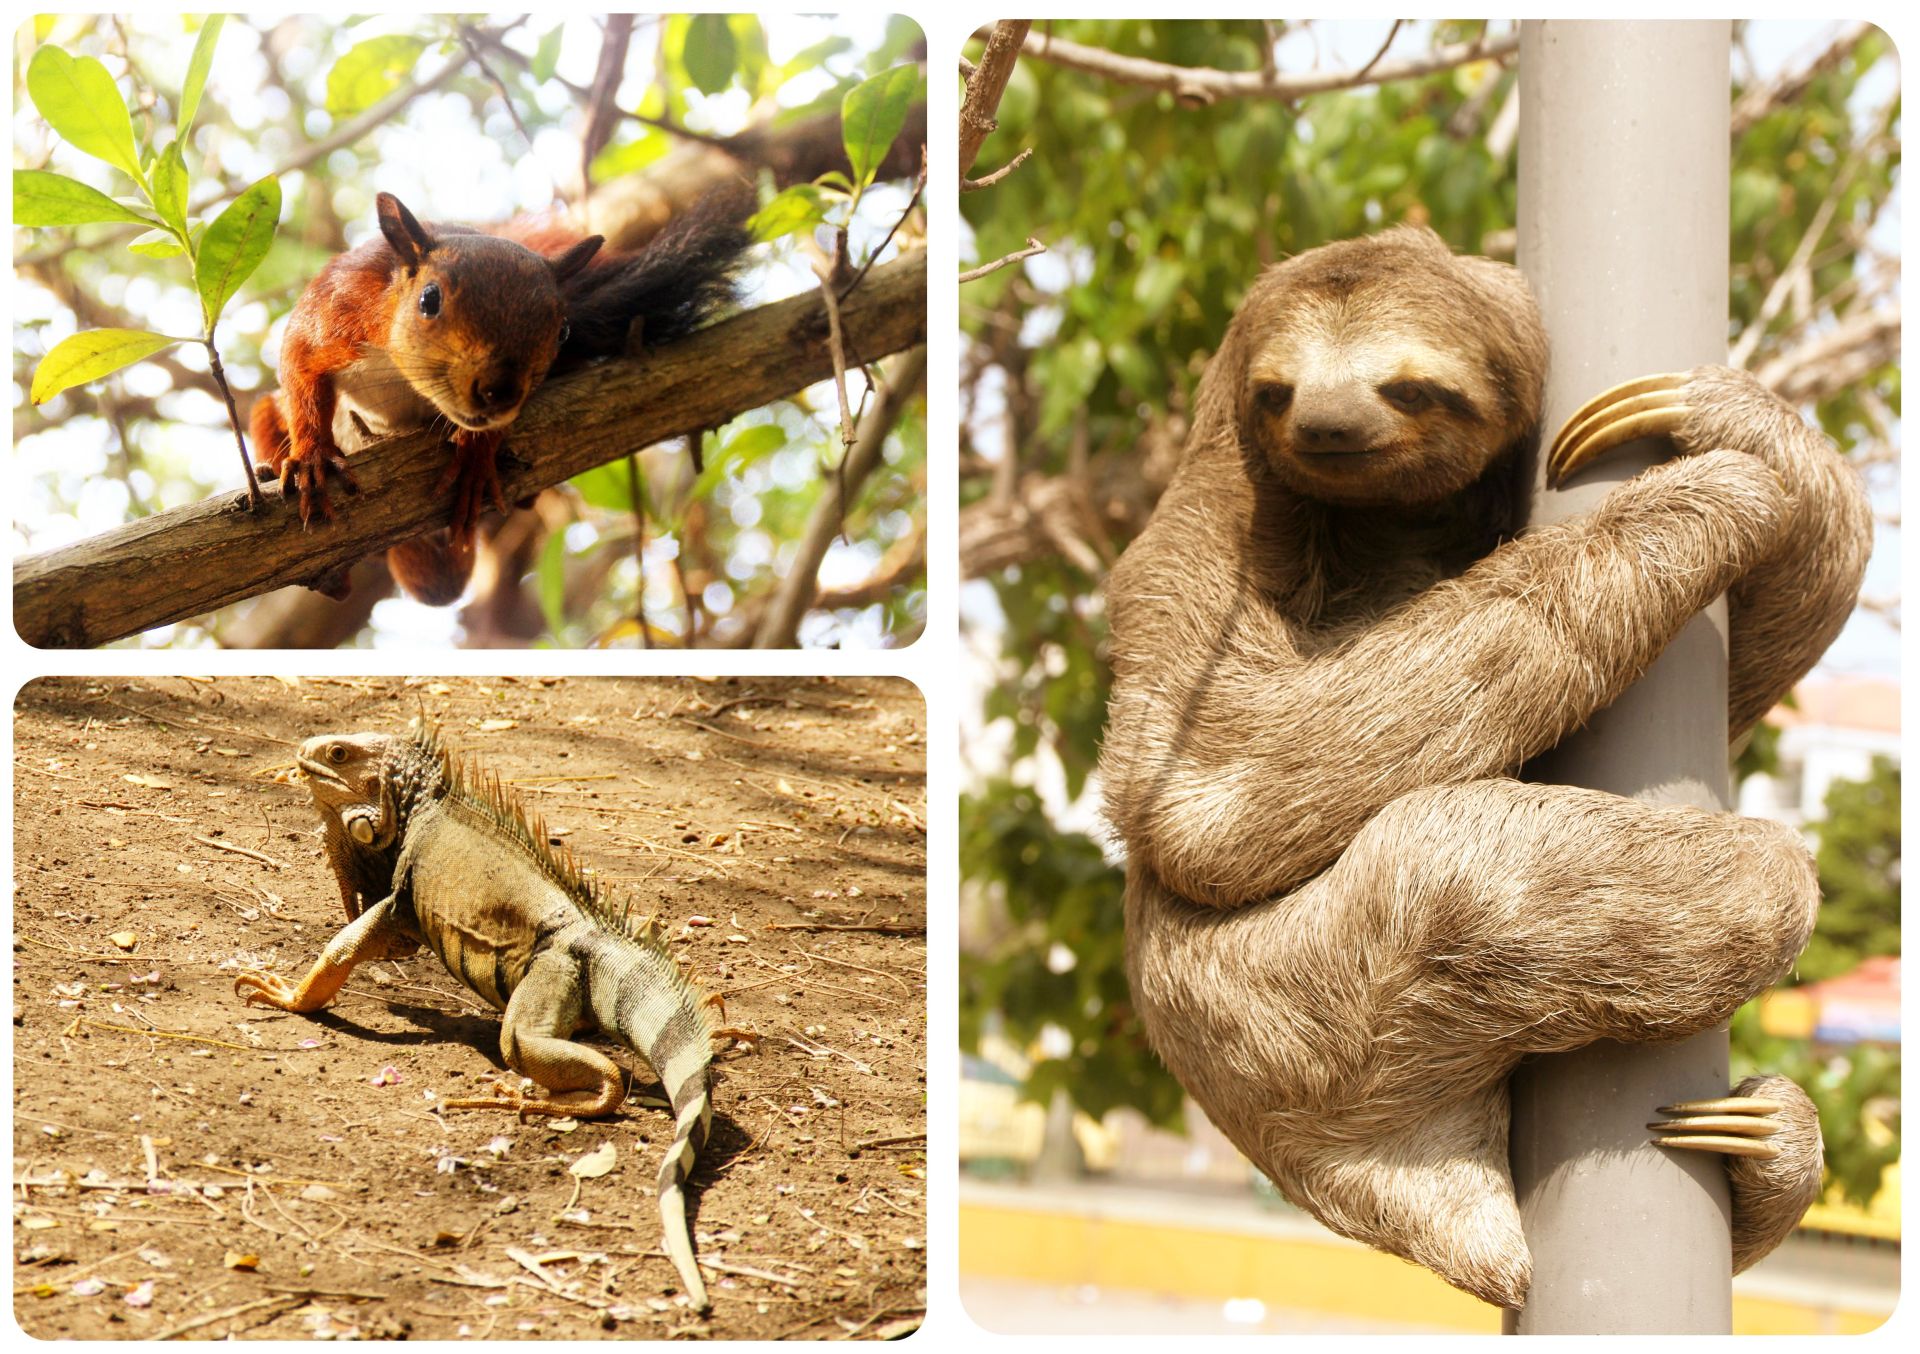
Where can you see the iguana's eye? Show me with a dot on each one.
(430, 300)
(336, 753)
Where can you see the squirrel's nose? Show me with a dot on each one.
(498, 392)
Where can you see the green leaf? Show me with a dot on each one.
(80, 101)
(609, 487)
(710, 54)
(169, 187)
(156, 244)
(234, 244)
(872, 115)
(43, 198)
(90, 355)
(547, 55)
(741, 450)
(369, 71)
(551, 575)
(624, 157)
(197, 68)
(801, 207)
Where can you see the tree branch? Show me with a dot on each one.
(1840, 357)
(1756, 101)
(1203, 85)
(985, 86)
(779, 628)
(180, 564)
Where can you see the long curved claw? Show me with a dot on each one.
(1652, 406)
(1731, 1125)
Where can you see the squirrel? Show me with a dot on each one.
(428, 323)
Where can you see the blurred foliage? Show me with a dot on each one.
(1859, 859)
(151, 437)
(1157, 217)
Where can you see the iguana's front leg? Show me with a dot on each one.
(536, 1040)
(374, 934)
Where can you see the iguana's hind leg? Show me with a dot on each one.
(723, 1036)
(543, 1012)
(374, 934)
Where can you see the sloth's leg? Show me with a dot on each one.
(1539, 918)
(1769, 1132)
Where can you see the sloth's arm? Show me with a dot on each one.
(1241, 762)
(1787, 609)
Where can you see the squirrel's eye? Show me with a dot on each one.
(337, 753)
(1273, 396)
(565, 330)
(430, 300)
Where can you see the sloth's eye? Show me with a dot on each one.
(1408, 396)
(430, 300)
(1273, 396)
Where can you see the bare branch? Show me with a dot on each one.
(1199, 85)
(1836, 359)
(975, 274)
(985, 86)
(779, 628)
(131, 579)
(1756, 101)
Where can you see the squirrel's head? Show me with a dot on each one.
(1387, 371)
(477, 320)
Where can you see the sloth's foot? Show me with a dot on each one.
(1653, 406)
(1770, 1134)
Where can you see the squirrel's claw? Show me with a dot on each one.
(307, 476)
(1653, 406)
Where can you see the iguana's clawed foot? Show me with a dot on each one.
(1733, 1125)
(724, 1037)
(266, 989)
(593, 1104)
(1653, 406)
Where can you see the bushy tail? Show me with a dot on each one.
(671, 286)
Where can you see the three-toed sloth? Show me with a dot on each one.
(1346, 921)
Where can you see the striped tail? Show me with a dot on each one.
(692, 1116)
(640, 998)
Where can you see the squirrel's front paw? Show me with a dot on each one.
(474, 477)
(307, 476)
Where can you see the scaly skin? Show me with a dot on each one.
(426, 853)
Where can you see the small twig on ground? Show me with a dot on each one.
(195, 1323)
(248, 852)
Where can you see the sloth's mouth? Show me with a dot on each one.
(1340, 456)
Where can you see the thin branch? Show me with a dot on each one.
(129, 579)
(988, 180)
(975, 274)
(1203, 85)
(779, 628)
(1367, 69)
(1837, 359)
(985, 86)
(1785, 86)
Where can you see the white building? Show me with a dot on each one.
(1835, 729)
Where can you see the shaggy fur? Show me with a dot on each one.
(1346, 923)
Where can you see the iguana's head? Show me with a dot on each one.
(369, 781)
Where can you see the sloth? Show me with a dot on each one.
(1346, 920)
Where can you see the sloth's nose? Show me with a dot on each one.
(1338, 419)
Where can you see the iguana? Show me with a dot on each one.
(427, 848)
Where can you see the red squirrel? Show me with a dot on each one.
(426, 323)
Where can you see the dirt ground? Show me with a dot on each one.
(185, 1164)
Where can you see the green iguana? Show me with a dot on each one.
(427, 849)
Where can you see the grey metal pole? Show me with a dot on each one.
(1623, 234)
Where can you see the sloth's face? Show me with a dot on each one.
(1347, 412)
(1387, 372)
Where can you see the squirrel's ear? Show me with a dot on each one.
(403, 231)
(576, 258)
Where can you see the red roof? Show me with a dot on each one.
(1870, 703)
